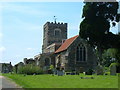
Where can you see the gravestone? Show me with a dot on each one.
(54, 71)
(81, 70)
(60, 72)
(113, 70)
(99, 70)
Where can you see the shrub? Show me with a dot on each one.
(51, 67)
(49, 71)
(107, 73)
(89, 72)
(106, 69)
(116, 64)
(30, 69)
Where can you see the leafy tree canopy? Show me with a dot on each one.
(97, 18)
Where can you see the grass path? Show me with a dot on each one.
(67, 81)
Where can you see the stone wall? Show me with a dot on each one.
(49, 34)
(62, 59)
(6, 67)
(68, 57)
(91, 59)
(29, 61)
(52, 48)
(50, 56)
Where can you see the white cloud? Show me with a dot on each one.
(2, 49)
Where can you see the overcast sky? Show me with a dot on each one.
(21, 26)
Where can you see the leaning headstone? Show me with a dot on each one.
(99, 70)
(113, 70)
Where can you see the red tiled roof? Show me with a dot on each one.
(66, 44)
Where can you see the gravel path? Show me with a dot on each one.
(7, 83)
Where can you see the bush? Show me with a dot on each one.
(116, 64)
(106, 69)
(49, 71)
(107, 73)
(89, 72)
(30, 70)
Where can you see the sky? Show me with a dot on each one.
(21, 26)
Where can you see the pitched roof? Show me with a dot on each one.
(66, 44)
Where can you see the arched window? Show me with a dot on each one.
(57, 32)
(81, 53)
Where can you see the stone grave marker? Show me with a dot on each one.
(81, 69)
(60, 72)
(113, 70)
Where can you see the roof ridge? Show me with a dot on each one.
(66, 44)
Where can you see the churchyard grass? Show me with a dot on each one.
(66, 81)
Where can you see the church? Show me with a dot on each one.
(68, 54)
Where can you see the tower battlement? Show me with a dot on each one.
(56, 24)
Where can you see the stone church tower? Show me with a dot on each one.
(53, 33)
(69, 54)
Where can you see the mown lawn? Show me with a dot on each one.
(66, 81)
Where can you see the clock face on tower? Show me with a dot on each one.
(57, 32)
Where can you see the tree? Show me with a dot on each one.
(95, 27)
(109, 56)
